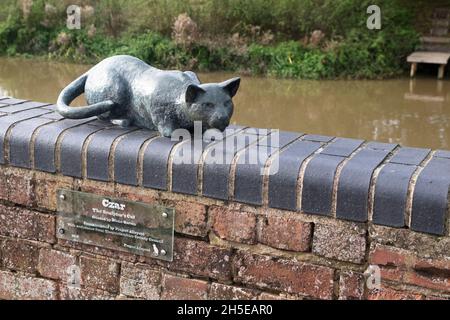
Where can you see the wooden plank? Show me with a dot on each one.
(413, 69)
(429, 57)
(441, 71)
(436, 40)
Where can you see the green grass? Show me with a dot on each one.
(143, 29)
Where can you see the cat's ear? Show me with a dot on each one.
(231, 86)
(193, 92)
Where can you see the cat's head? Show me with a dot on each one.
(211, 103)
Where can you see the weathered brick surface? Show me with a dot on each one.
(418, 267)
(190, 218)
(423, 245)
(270, 296)
(233, 225)
(74, 293)
(55, 264)
(388, 256)
(3, 183)
(391, 261)
(432, 279)
(220, 291)
(99, 274)
(351, 286)
(119, 255)
(22, 223)
(136, 194)
(341, 241)
(140, 282)
(125, 298)
(241, 250)
(284, 275)
(20, 186)
(19, 255)
(286, 232)
(46, 187)
(200, 258)
(433, 274)
(403, 266)
(387, 293)
(16, 286)
(177, 288)
(437, 297)
(96, 187)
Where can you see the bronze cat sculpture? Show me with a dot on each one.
(127, 91)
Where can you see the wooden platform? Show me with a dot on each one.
(440, 58)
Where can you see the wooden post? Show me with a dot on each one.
(441, 71)
(439, 86)
(413, 69)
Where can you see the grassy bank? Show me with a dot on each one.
(286, 38)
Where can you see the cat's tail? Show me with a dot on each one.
(69, 94)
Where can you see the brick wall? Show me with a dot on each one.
(236, 237)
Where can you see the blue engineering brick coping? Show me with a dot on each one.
(337, 178)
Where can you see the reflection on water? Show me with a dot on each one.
(413, 113)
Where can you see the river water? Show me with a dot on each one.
(409, 112)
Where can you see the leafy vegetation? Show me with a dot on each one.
(285, 38)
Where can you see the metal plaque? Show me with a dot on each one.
(116, 224)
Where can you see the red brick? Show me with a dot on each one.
(190, 218)
(393, 262)
(124, 256)
(388, 256)
(430, 281)
(73, 293)
(351, 286)
(140, 282)
(46, 187)
(22, 223)
(100, 274)
(341, 241)
(20, 186)
(136, 194)
(270, 297)
(96, 187)
(386, 293)
(285, 275)
(438, 297)
(432, 274)
(286, 232)
(177, 288)
(233, 225)
(392, 274)
(200, 258)
(3, 183)
(20, 287)
(20, 255)
(125, 298)
(220, 291)
(437, 266)
(55, 264)
(416, 242)
(403, 266)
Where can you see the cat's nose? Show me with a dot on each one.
(220, 123)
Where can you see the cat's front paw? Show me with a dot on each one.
(166, 131)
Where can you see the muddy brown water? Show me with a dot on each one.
(410, 112)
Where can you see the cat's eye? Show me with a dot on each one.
(208, 105)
